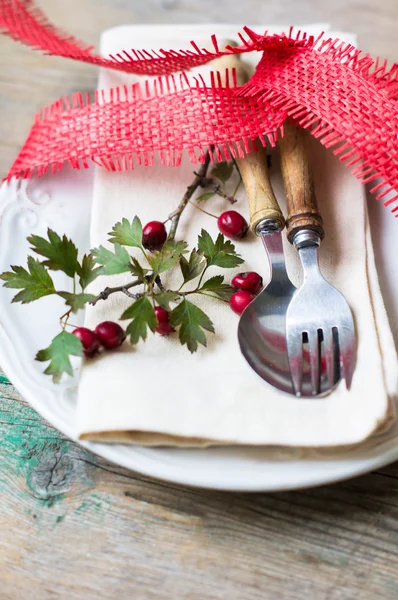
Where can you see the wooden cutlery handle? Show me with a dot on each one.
(260, 196)
(297, 180)
(253, 168)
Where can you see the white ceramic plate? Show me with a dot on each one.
(62, 202)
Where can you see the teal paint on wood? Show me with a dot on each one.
(51, 467)
(94, 503)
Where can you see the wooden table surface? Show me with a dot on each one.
(73, 526)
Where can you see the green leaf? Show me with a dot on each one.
(61, 253)
(143, 315)
(112, 262)
(35, 283)
(192, 322)
(76, 301)
(58, 353)
(206, 244)
(167, 257)
(164, 299)
(216, 286)
(220, 253)
(192, 268)
(205, 197)
(126, 233)
(223, 171)
(87, 271)
(137, 270)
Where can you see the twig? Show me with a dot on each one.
(159, 283)
(104, 295)
(191, 189)
(217, 189)
(130, 295)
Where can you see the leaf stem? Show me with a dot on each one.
(211, 296)
(64, 319)
(202, 275)
(72, 325)
(202, 209)
(237, 187)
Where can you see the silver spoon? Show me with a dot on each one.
(262, 326)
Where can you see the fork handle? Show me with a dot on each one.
(263, 205)
(298, 183)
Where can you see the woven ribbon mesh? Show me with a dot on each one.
(347, 100)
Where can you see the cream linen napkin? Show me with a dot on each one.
(159, 394)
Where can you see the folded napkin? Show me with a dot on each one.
(157, 393)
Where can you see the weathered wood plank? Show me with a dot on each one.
(72, 525)
(77, 526)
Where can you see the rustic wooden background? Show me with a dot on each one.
(73, 526)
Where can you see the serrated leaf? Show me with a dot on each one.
(143, 315)
(192, 322)
(223, 171)
(126, 233)
(61, 253)
(192, 268)
(167, 257)
(35, 283)
(76, 301)
(205, 197)
(206, 244)
(87, 271)
(137, 270)
(112, 262)
(216, 286)
(164, 299)
(62, 347)
(220, 253)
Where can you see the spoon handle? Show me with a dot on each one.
(253, 168)
(263, 205)
(298, 183)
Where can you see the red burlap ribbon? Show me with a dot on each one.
(346, 100)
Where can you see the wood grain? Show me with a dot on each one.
(75, 527)
(298, 183)
(260, 196)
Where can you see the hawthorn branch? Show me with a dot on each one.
(159, 283)
(200, 176)
(125, 289)
(104, 295)
(217, 189)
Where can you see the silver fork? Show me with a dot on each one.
(318, 316)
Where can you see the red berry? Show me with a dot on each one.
(250, 282)
(110, 334)
(163, 318)
(89, 339)
(154, 235)
(239, 301)
(232, 225)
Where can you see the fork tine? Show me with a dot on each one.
(313, 345)
(295, 353)
(347, 353)
(329, 352)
